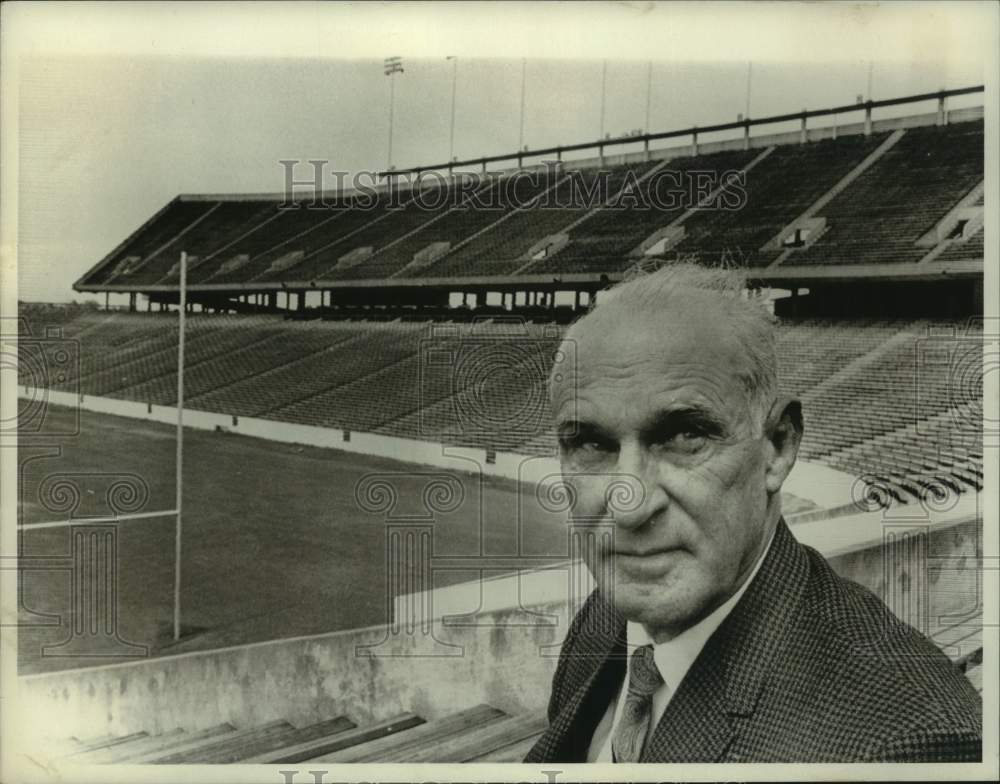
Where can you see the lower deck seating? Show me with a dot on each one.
(888, 398)
(906, 412)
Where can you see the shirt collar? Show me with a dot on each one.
(674, 657)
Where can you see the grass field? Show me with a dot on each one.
(275, 543)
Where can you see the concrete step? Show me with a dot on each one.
(106, 742)
(135, 746)
(165, 743)
(189, 752)
(401, 746)
(515, 752)
(239, 749)
(478, 740)
(334, 742)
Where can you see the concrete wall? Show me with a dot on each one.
(307, 679)
(922, 592)
(856, 546)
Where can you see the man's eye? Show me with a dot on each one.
(689, 440)
(587, 447)
(596, 446)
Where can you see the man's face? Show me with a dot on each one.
(656, 401)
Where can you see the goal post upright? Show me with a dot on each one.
(179, 479)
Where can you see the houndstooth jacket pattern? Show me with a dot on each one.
(808, 667)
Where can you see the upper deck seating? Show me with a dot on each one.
(880, 217)
(177, 217)
(287, 229)
(603, 241)
(491, 228)
(973, 248)
(502, 249)
(227, 221)
(492, 201)
(778, 190)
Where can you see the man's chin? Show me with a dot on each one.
(652, 606)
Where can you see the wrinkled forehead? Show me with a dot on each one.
(689, 349)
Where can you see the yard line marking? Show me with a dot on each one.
(92, 520)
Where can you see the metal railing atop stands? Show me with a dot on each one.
(694, 131)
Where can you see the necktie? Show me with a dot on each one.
(643, 679)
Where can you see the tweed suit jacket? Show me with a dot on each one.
(808, 667)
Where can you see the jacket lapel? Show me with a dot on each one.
(599, 662)
(726, 679)
(696, 726)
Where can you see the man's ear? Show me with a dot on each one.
(783, 430)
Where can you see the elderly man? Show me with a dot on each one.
(712, 635)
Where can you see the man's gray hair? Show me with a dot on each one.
(750, 320)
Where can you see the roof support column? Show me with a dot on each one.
(942, 114)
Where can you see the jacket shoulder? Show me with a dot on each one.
(865, 669)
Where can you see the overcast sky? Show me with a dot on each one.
(121, 107)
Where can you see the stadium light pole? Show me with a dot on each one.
(649, 93)
(604, 84)
(391, 66)
(520, 137)
(179, 481)
(454, 84)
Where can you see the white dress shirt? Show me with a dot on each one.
(673, 659)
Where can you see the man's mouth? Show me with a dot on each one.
(634, 552)
(653, 563)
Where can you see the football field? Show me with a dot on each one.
(276, 542)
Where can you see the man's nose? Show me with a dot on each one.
(634, 495)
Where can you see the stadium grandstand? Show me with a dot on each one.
(410, 321)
